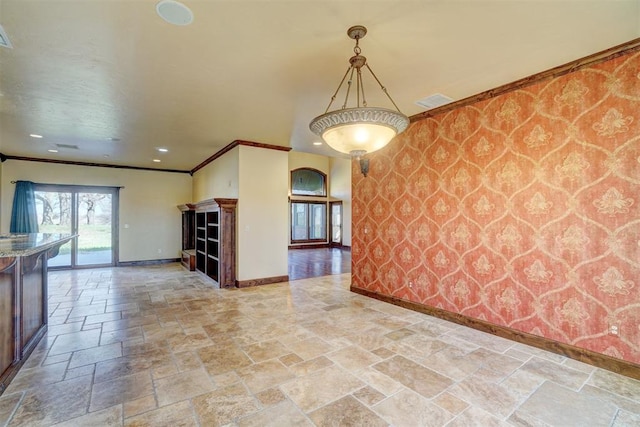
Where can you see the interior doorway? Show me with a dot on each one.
(91, 212)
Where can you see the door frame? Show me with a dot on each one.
(115, 209)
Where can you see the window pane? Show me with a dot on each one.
(318, 220)
(308, 221)
(53, 209)
(299, 221)
(307, 182)
(94, 227)
(336, 221)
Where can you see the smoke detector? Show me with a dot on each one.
(4, 39)
(433, 101)
(174, 12)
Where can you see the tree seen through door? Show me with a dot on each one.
(88, 214)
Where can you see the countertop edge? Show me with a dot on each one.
(37, 249)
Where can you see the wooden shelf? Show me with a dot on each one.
(215, 231)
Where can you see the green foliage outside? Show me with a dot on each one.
(91, 237)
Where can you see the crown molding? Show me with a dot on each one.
(234, 144)
(588, 61)
(4, 157)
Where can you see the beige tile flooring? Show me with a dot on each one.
(157, 346)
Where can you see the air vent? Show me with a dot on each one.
(4, 39)
(433, 101)
(69, 146)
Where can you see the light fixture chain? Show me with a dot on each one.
(361, 89)
(346, 97)
(333, 98)
(384, 89)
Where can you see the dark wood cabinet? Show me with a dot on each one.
(23, 296)
(188, 222)
(188, 256)
(23, 305)
(33, 308)
(215, 240)
(7, 326)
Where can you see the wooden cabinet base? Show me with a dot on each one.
(23, 296)
(189, 259)
(23, 312)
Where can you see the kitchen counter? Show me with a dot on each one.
(23, 296)
(13, 245)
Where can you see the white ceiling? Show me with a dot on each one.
(82, 72)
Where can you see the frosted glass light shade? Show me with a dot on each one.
(367, 137)
(361, 130)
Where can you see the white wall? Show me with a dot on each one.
(147, 202)
(218, 179)
(298, 160)
(340, 188)
(262, 213)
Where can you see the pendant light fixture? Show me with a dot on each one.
(361, 129)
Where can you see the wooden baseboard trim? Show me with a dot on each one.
(259, 282)
(320, 246)
(310, 246)
(599, 360)
(147, 262)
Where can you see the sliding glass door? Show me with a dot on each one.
(55, 215)
(90, 212)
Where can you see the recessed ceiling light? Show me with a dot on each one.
(105, 156)
(163, 150)
(52, 151)
(35, 135)
(317, 143)
(156, 160)
(112, 139)
(174, 12)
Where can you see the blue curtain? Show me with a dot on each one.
(23, 215)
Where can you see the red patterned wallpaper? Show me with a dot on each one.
(522, 210)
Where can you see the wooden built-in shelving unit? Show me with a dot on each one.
(214, 240)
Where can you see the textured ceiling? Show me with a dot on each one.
(84, 72)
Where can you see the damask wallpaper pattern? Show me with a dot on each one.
(522, 210)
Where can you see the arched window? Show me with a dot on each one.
(308, 182)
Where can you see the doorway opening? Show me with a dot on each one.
(89, 211)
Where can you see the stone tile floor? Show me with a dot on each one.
(157, 346)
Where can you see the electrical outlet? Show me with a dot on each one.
(411, 284)
(613, 330)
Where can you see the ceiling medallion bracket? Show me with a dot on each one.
(357, 61)
(361, 129)
(357, 32)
